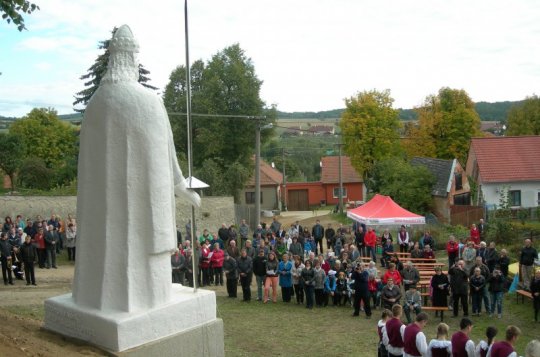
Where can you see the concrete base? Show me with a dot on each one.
(188, 316)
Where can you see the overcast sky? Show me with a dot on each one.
(309, 54)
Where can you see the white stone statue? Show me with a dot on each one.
(126, 191)
(123, 297)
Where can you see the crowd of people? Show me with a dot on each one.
(25, 242)
(294, 261)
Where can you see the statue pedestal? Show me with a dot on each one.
(188, 320)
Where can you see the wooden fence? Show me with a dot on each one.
(466, 215)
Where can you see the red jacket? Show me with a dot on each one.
(475, 235)
(452, 247)
(205, 262)
(370, 239)
(216, 261)
(394, 275)
(39, 240)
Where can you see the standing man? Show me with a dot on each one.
(461, 344)
(318, 233)
(29, 257)
(506, 348)
(482, 229)
(359, 235)
(245, 270)
(5, 258)
(459, 282)
(393, 333)
(259, 269)
(243, 230)
(275, 226)
(330, 235)
(526, 263)
(403, 240)
(370, 240)
(414, 340)
(361, 291)
(230, 268)
(51, 239)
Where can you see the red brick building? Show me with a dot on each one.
(303, 195)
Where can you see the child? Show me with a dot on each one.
(381, 325)
(373, 288)
(483, 347)
(308, 247)
(341, 296)
(440, 346)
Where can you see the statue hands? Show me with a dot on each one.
(192, 196)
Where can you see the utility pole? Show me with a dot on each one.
(284, 181)
(340, 196)
(258, 168)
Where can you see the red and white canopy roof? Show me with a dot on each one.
(382, 210)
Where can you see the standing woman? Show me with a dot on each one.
(271, 277)
(320, 276)
(440, 346)
(296, 272)
(71, 235)
(39, 242)
(285, 278)
(439, 287)
(205, 264)
(403, 240)
(308, 280)
(216, 263)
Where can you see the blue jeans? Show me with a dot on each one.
(496, 299)
(371, 252)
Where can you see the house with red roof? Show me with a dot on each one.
(506, 164)
(301, 196)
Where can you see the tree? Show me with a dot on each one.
(97, 71)
(46, 137)
(12, 151)
(524, 118)
(369, 126)
(226, 86)
(410, 186)
(446, 124)
(12, 11)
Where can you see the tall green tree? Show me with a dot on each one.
(370, 126)
(410, 186)
(94, 74)
(446, 123)
(12, 11)
(46, 137)
(524, 118)
(226, 86)
(12, 152)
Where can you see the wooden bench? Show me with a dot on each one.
(440, 309)
(524, 294)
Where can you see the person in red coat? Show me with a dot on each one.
(216, 264)
(39, 242)
(452, 248)
(392, 273)
(370, 240)
(475, 235)
(205, 264)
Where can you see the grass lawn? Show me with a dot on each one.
(255, 329)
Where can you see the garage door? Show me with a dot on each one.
(298, 200)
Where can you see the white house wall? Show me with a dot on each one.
(529, 192)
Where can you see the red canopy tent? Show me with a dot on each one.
(382, 210)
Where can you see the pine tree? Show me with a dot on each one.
(97, 71)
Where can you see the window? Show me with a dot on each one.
(459, 181)
(336, 192)
(250, 198)
(462, 200)
(514, 198)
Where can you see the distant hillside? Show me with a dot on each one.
(487, 111)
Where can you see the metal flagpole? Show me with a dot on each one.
(194, 256)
